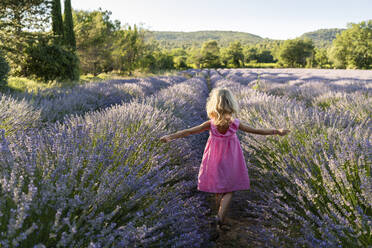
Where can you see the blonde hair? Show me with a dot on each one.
(221, 105)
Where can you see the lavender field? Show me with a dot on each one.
(83, 167)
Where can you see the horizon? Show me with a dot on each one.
(278, 20)
(235, 32)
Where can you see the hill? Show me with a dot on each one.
(168, 39)
(323, 37)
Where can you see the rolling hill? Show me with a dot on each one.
(323, 37)
(169, 39)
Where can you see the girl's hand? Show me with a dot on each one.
(283, 132)
(165, 139)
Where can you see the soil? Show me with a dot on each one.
(246, 229)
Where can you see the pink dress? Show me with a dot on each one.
(223, 168)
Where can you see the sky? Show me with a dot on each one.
(274, 19)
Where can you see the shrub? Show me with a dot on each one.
(4, 70)
(51, 62)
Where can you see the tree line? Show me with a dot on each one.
(27, 47)
(38, 41)
(351, 49)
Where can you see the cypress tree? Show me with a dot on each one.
(69, 26)
(57, 18)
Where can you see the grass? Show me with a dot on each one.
(23, 84)
(261, 65)
(26, 84)
(116, 75)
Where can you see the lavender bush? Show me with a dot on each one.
(83, 167)
(55, 103)
(17, 115)
(104, 180)
(339, 90)
(314, 183)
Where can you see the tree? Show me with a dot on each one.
(235, 53)
(164, 61)
(294, 53)
(260, 53)
(18, 15)
(250, 54)
(210, 54)
(20, 20)
(48, 60)
(321, 58)
(4, 70)
(265, 56)
(57, 23)
(95, 35)
(353, 47)
(104, 45)
(148, 61)
(180, 62)
(195, 57)
(130, 48)
(69, 26)
(224, 57)
(180, 58)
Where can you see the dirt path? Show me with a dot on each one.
(247, 230)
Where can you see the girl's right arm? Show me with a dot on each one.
(248, 129)
(186, 132)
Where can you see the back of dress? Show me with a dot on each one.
(223, 168)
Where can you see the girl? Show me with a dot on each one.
(223, 169)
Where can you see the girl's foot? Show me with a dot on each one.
(215, 235)
(216, 220)
(220, 225)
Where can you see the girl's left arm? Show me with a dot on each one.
(186, 132)
(248, 129)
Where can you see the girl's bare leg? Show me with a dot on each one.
(225, 202)
(218, 198)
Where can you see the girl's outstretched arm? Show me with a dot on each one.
(248, 129)
(186, 132)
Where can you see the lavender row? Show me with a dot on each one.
(326, 96)
(297, 75)
(315, 182)
(17, 114)
(104, 180)
(280, 81)
(195, 72)
(338, 90)
(55, 104)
